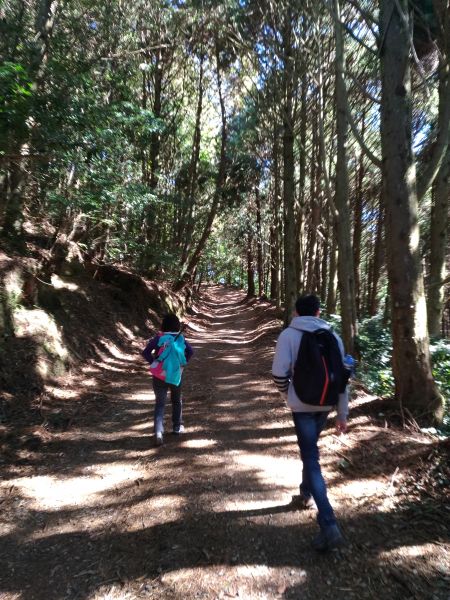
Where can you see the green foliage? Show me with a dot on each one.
(375, 348)
(15, 97)
(221, 260)
(440, 355)
(375, 371)
(334, 320)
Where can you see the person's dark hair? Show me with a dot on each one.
(307, 306)
(170, 322)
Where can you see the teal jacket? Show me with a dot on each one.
(173, 357)
(167, 354)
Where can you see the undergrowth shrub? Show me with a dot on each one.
(440, 355)
(374, 344)
(374, 370)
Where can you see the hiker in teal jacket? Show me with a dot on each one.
(168, 353)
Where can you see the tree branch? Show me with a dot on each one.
(370, 21)
(362, 89)
(138, 51)
(356, 38)
(370, 155)
(442, 140)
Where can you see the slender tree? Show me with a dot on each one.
(345, 263)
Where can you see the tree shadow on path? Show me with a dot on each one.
(99, 512)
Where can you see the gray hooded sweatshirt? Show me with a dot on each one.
(284, 361)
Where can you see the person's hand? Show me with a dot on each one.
(341, 426)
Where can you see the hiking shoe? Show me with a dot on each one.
(178, 430)
(159, 439)
(302, 502)
(328, 539)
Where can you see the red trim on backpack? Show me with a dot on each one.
(327, 383)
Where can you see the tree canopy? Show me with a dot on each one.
(279, 146)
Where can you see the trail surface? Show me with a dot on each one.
(97, 512)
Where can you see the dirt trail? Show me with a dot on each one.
(100, 513)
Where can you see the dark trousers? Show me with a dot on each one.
(308, 426)
(161, 389)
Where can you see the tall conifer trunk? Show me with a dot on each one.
(438, 246)
(275, 227)
(193, 260)
(439, 218)
(187, 225)
(259, 252)
(343, 229)
(290, 262)
(414, 384)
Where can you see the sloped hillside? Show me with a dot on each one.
(49, 328)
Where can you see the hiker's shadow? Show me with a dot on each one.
(293, 506)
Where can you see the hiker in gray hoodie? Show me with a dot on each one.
(309, 420)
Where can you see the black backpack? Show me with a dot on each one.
(319, 372)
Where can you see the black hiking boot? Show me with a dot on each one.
(329, 538)
(302, 502)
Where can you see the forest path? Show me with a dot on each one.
(104, 514)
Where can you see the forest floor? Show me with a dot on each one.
(92, 510)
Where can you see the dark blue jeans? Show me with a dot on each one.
(161, 388)
(308, 426)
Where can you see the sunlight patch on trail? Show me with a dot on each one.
(281, 472)
(140, 426)
(255, 581)
(113, 436)
(199, 443)
(233, 359)
(428, 558)
(143, 396)
(112, 594)
(53, 493)
(277, 425)
(91, 382)
(362, 488)
(415, 551)
(114, 351)
(61, 393)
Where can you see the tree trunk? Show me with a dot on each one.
(192, 177)
(302, 178)
(440, 133)
(345, 262)
(275, 294)
(439, 209)
(220, 181)
(414, 384)
(144, 171)
(438, 246)
(250, 266)
(377, 263)
(259, 253)
(155, 141)
(11, 217)
(332, 272)
(290, 275)
(11, 204)
(357, 226)
(357, 235)
(314, 220)
(325, 261)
